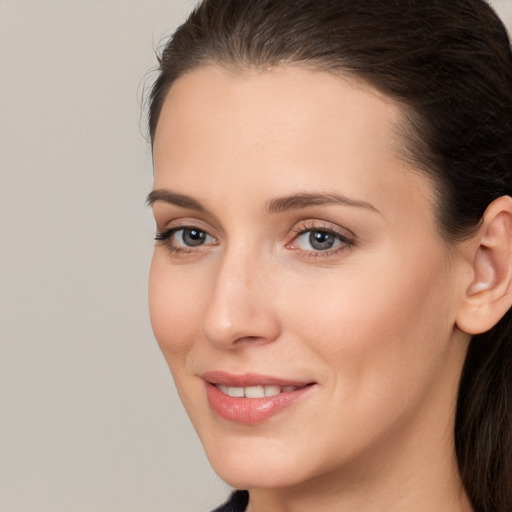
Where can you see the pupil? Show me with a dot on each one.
(193, 237)
(321, 240)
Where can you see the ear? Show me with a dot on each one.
(489, 294)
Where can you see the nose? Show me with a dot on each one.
(240, 308)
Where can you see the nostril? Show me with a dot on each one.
(250, 339)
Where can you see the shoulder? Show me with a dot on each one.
(237, 503)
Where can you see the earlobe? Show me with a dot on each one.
(489, 294)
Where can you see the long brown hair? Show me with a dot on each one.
(449, 64)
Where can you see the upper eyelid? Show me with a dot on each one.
(344, 239)
(300, 227)
(167, 213)
(167, 232)
(322, 225)
(184, 223)
(341, 236)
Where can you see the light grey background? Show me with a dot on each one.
(89, 419)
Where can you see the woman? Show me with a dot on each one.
(331, 281)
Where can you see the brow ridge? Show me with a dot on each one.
(276, 205)
(168, 196)
(303, 200)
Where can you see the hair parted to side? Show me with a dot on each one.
(448, 63)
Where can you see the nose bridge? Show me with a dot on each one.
(240, 306)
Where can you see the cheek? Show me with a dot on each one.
(173, 307)
(379, 332)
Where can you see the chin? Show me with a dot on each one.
(257, 475)
(243, 466)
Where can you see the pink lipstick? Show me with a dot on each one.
(251, 398)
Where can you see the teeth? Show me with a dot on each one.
(224, 389)
(272, 390)
(236, 392)
(255, 391)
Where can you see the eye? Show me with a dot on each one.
(190, 237)
(316, 240)
(184, 238)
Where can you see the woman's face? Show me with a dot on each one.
(300, 292)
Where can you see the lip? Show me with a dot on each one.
(249, 411)
(249, 379)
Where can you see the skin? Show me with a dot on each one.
(373, 321)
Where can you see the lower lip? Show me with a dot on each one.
(249, 411)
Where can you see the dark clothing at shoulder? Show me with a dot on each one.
(236, 503)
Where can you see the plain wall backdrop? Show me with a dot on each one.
(89, 419)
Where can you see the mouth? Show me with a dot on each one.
(250, 398)
(258, 391)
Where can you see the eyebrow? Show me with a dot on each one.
(167, 196)
(303, 200)
(277, 205)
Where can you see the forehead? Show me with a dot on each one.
(267, 132)
(277, 102)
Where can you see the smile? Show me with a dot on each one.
(252, 399)
(257, 391)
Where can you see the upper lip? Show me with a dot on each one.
(249, 379)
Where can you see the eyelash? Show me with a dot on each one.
(165, 237)
(346, 240)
